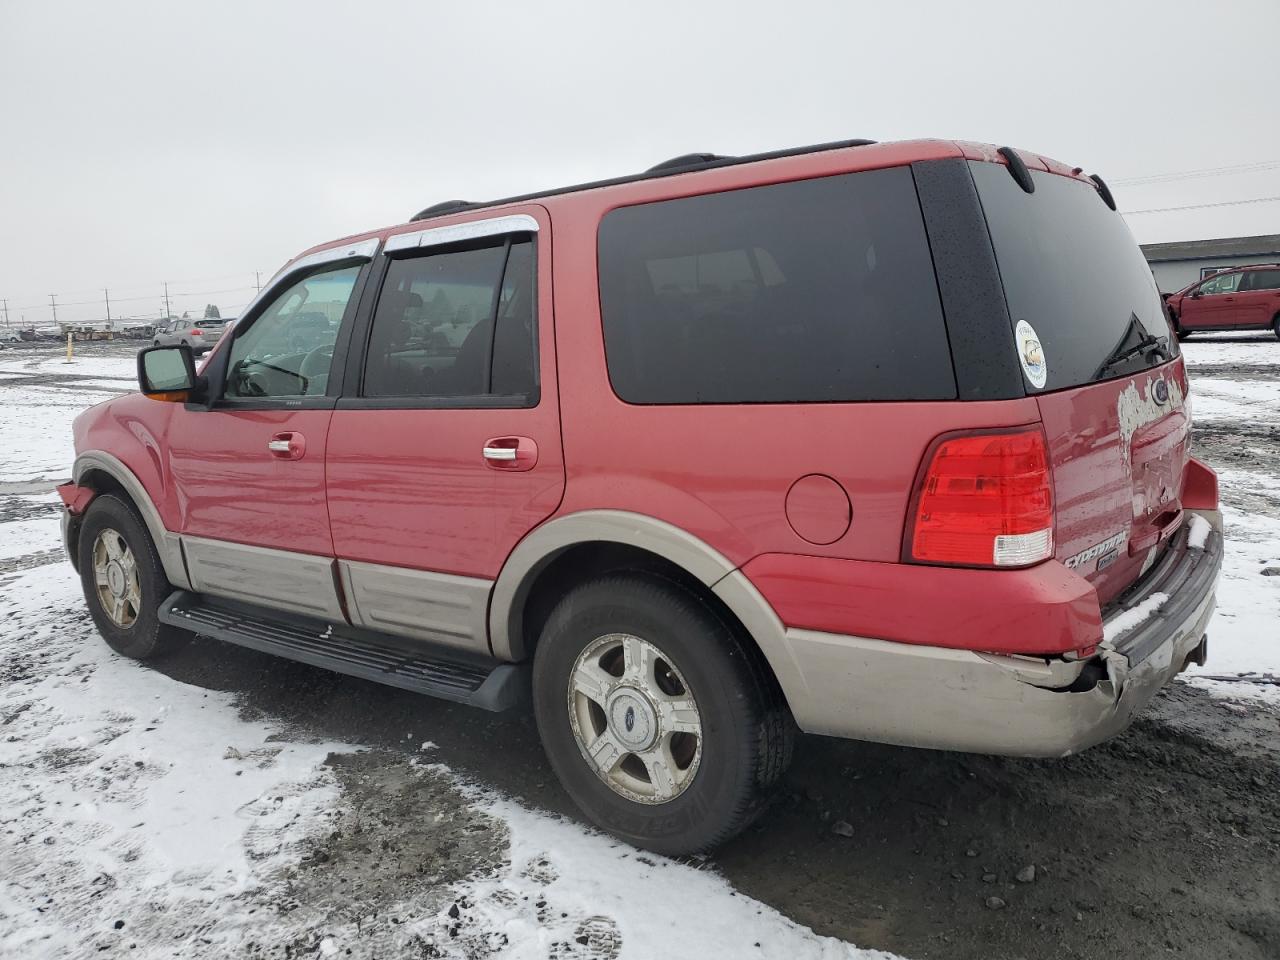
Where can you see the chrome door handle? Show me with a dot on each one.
(278, 446)
(499, 453)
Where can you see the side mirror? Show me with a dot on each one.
(1197, 294)
(167, 373)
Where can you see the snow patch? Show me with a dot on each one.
(1122, 623)
(1198, 532)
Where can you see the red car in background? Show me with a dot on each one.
(1247, 298)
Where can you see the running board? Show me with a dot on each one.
(408, 664)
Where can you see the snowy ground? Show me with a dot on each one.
(228, 805)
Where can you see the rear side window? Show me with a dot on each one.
(1263, 280)
(811, 291)
(456, 323)
(1072, 270)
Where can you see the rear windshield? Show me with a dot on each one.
(1072, 270)
(209, 323)
(817, 290)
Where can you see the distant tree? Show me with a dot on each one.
(211, 312)
(186, 315)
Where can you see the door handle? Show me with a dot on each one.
(287, 445)
(510, 453)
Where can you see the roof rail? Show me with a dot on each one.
(688, 163)
(686, 160)
(445, 206)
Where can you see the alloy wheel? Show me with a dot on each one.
(634, 718)
(115, 574)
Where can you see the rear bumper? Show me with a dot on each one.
(926, 696)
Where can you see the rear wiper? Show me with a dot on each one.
(1147, 341)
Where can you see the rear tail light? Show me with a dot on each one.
(197, 332)
(985, 499)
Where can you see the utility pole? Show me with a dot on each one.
(54, 305)
(257, 280)
(167, 312)
(106, 295)
(6, 313)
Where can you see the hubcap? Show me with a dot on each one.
(635, 719)
(115, 575)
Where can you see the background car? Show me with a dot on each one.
(1244, 299)
(199, 335)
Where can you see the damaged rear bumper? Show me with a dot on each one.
(1020, 706)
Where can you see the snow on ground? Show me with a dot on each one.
(142, 815)
(35, 430)
(85, 360)
(1205, 349)
(25, 537)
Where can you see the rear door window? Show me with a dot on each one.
(1263, 280)
(457, 323)
(811, 291)
(1072, 270)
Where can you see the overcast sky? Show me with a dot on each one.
(199, 142)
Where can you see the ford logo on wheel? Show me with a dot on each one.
(629, 719)
(1160, 392)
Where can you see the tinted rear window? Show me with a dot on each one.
(816, 290)
(1072, 270)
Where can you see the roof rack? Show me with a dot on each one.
(686, 163)
(445, 206)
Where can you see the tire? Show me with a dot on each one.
(1275, 326)
(138, 632)
(723, 777)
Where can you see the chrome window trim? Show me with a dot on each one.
(472, 230)
(363, 251)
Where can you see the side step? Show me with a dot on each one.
(408, 664)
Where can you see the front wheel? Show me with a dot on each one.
(662, 723)
(124, 581)
(1275, 326)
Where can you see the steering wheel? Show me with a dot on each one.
(317, 362)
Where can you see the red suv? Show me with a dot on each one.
(833, 438)
(1243, 299)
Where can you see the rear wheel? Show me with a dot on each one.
(124, 581)
(658, 718)
(1275, 326)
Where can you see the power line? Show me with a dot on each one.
(1198, 206)
(1254, 167)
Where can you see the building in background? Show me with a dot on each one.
(1177, 264)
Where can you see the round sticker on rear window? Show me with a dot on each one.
(1031, 354)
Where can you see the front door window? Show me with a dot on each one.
(1222, 283)
(288, 350)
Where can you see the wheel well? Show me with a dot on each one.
(586, 561)
(103, 482)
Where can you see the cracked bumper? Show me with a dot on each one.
(948, 699)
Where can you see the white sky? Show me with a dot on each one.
(198, 143)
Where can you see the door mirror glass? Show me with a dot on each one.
(166, 370)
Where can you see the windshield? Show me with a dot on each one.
(1072, 270)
